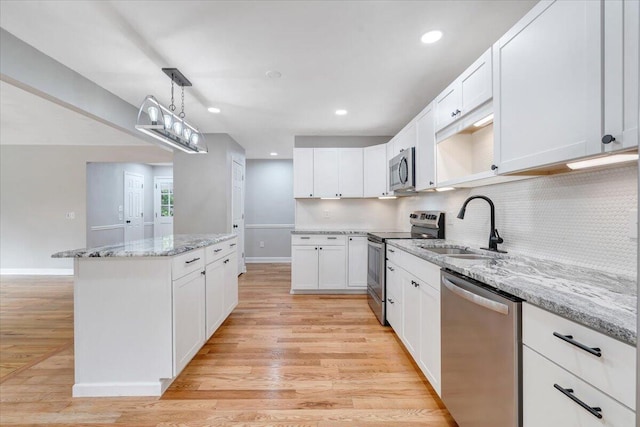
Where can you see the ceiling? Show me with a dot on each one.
(362, 56)
(27, 119)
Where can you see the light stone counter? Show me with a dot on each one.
(602, 301)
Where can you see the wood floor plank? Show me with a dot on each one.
(278, 360)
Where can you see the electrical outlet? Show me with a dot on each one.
(71, 215)
(120, 216)
(633, 223)
(326, 214)
(120, 208)
(449, 218)
(262, 244)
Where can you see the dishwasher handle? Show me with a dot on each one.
(476, 299)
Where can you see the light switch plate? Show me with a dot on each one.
(262, 244)
(71, 215)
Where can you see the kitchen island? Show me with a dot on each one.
(142, 310)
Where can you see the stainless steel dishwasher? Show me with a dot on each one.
(481, 361)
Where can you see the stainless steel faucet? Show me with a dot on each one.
(494, 237)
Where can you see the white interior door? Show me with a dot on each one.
(133, 207)
(163, 206)
(237, 210)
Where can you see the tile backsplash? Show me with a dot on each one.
(583, 218)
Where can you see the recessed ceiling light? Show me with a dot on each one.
(272, 74)
(273, 154)
(608, 160)
(341, 112)
(445, 189)
(214, 110)
(431, 37)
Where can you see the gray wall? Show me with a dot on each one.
(202, 187)
(317, 141)
(38, 186)
(269, 209)
(105, 193)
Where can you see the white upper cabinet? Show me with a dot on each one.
(338, 172)
(350, 172)
(302, 172)
(405, 139)
(325, 172)
(472, 89)
(476, 83)
(448, 106)
(390, 155)
(376, 169)
(548, 86)
(622, 22)
(425, 150)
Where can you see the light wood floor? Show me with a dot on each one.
(279, 360)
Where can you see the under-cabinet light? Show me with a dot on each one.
(600, 161)
(484, 121)
(445, 189)
(387, 197)
(329, 198)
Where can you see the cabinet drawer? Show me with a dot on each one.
(423, 270)
(545, 405)
(187, 263)
(393, 254)
(217, 251)
(614, 372)
(319, 239)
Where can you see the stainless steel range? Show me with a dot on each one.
(424, 225)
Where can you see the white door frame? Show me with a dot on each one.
(156, 204)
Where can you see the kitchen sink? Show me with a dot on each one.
(468, 256)
(449, 251)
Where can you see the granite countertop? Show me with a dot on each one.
(346, 232)
(602, 301)
(159, 246)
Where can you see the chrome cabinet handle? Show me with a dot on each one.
(226, 261)
(391, 250)
(232, 245)
(390, 268)
(193, 260)
(390, 300)
(415, 284)
(215, 251)
(593, 410)
(332, 238)
(305, 238)
(596, 351)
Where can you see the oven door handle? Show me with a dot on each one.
(476, 299)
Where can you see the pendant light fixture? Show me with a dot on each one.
(162, 123)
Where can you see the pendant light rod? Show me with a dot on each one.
(177, 77)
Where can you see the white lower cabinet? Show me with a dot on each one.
(429, 351)
(357, 262)
(413, 310)
(411, 315)
(215, 309)
(332, 267)
(554, 397)
(188, 318)
(394, 297)
(320, 262)
(230, 282)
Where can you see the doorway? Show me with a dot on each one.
(237, 209)
(133, 207)
(163, 206)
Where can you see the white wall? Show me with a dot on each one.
(38, 186)
(581, 218)
(269, 210)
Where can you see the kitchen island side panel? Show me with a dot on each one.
(123, 326)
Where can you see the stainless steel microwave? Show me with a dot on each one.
(402, 171)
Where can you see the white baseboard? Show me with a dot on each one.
(36, 271)
(267, 260)
(155, 388)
